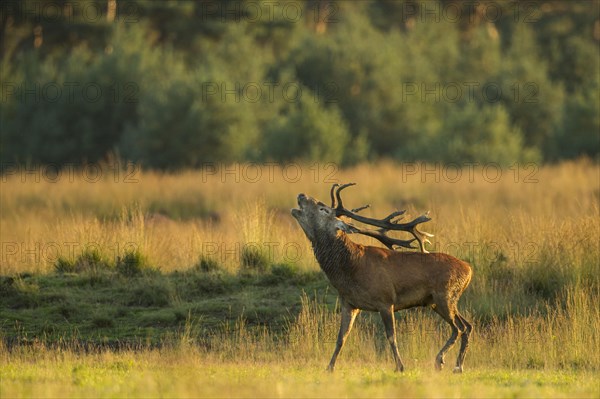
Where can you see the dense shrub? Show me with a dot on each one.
(171, 93)
(253, 258)
(132, 263)
(207, 264)
(90, 260)
(307, 131)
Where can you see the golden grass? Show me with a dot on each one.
(192, 374)
(532, 238)
(174, 218)
(536, 356)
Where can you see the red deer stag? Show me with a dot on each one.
(383, 280)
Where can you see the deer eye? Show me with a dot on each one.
(324, 210)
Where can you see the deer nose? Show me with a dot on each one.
(301, 196)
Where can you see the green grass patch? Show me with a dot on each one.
(253, 259)
(207, 264)
(132, 263)
(100, 305)
(191, 372)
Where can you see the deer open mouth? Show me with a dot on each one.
(298, 211)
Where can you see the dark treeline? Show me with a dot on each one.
(173, 84)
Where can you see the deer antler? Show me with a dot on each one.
(386, 224)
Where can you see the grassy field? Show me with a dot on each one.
(133, 283)
(193, 374)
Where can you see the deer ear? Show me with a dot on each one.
(346, 228)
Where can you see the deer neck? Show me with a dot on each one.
(337, 256)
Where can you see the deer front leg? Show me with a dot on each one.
(348, 316)
(387, 315)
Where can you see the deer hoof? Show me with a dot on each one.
(439, 364)
(457, 370)
(330, 369)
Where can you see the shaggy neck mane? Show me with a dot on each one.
(336, 255)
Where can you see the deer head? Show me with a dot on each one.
(316, 218)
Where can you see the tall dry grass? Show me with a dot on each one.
(564, 338)
(526, 217)
(531, 235)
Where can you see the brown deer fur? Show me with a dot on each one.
(385, 281)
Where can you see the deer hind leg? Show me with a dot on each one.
(447, 314)
(466, 330)
(348, 316)
(387, 316)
